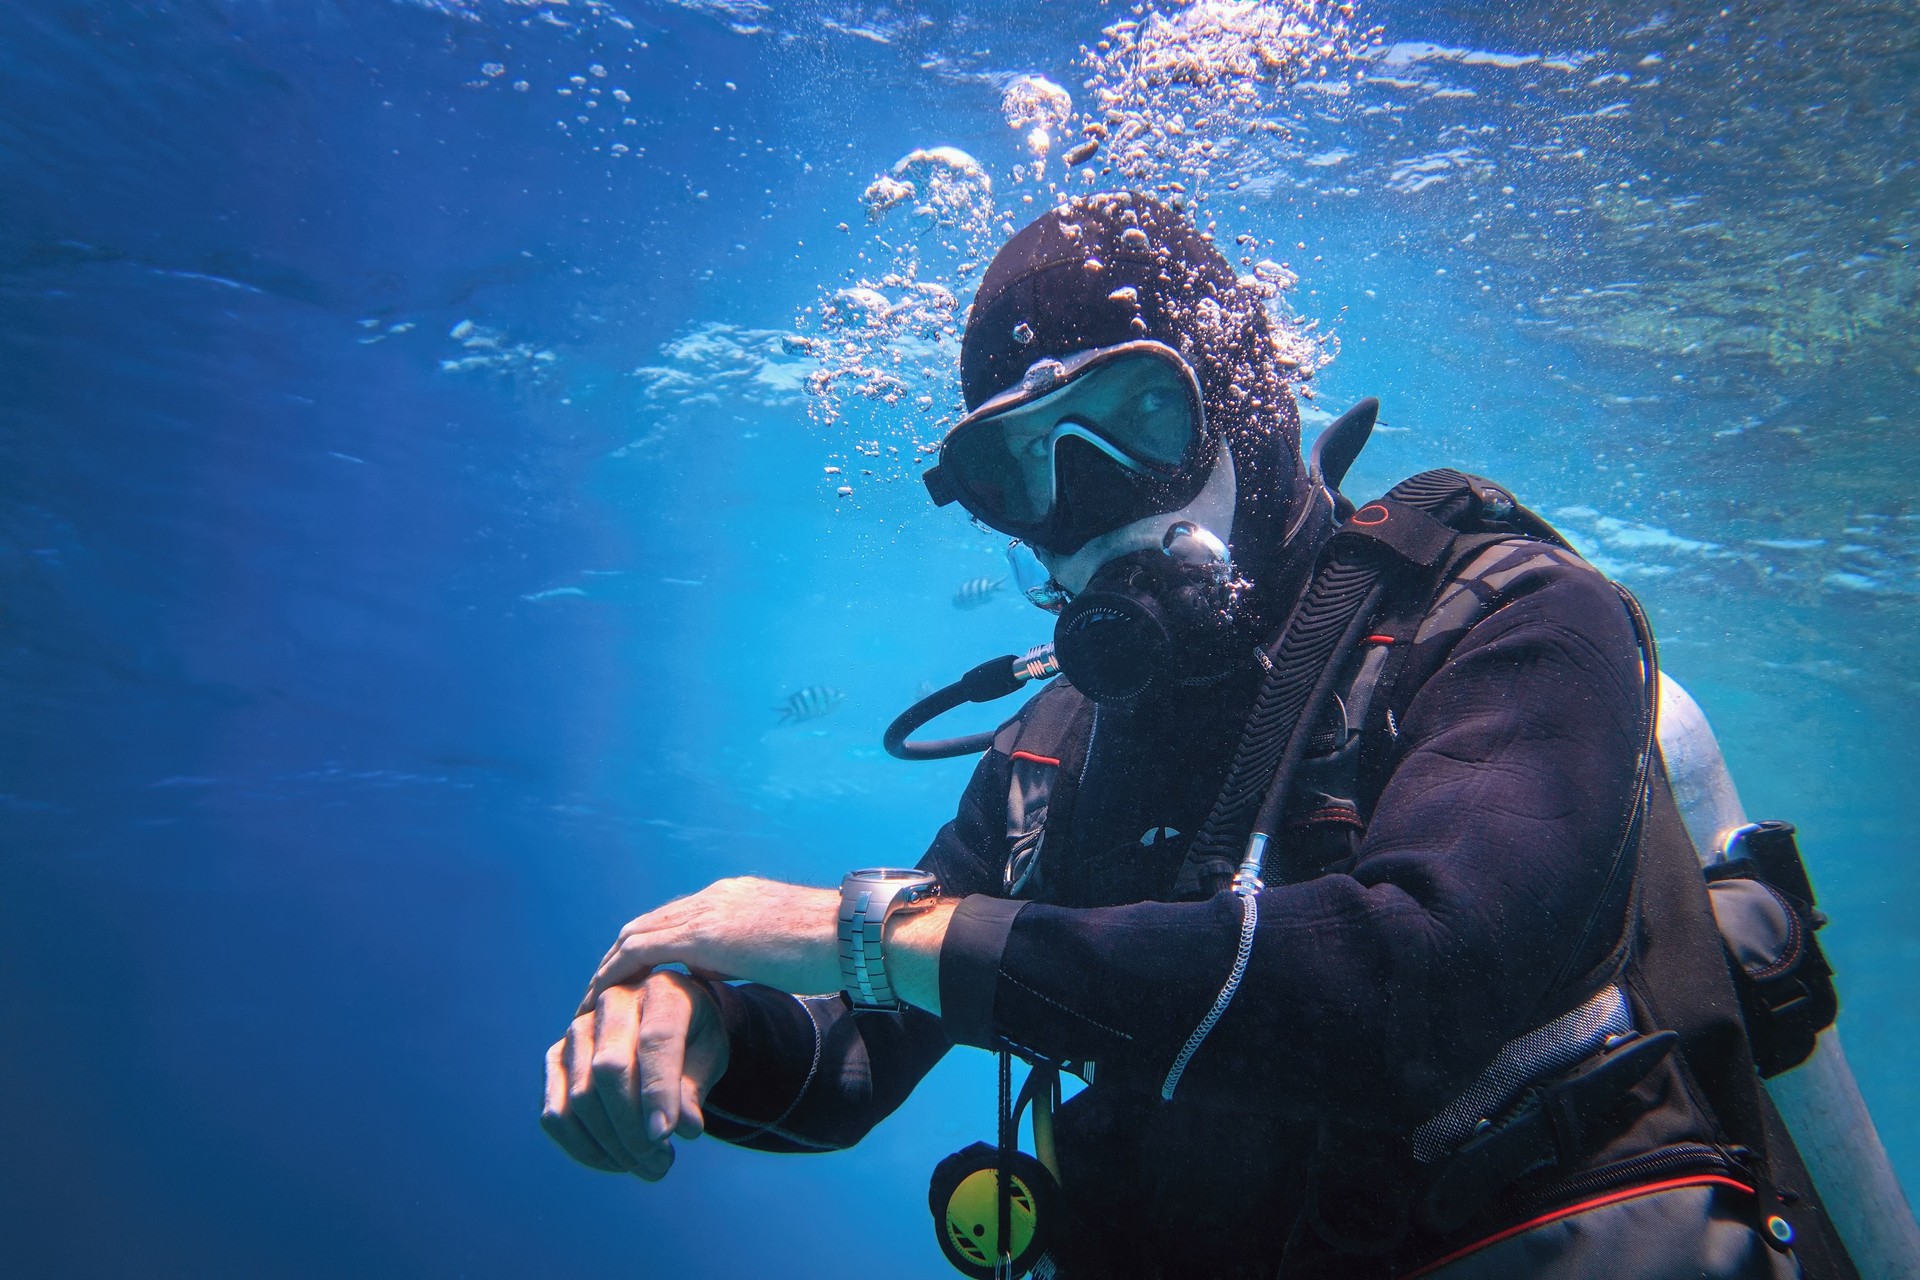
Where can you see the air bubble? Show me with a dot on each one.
(1037, 106)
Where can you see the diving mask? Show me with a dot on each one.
(1080, 447)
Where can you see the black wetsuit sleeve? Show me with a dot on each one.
(810, 1074)
(1372, 996)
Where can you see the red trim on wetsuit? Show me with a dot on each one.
(1612, 1197)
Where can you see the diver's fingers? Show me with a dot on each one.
(559, 1121)
(655, 1166)
(666, 917)
(664, 1022)
(634, 957)
(708, 1052)
(612, 951)
(616, 1079)
(625, 963)
(582, 1101)
(631, 959)
(605, 979)
(693, 1121)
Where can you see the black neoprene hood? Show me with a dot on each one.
(1116, 267)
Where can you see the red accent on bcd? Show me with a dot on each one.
(1037, 759)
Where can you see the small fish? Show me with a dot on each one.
(810, 703)
(972, 595)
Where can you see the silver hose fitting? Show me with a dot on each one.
(1038, 664)
(1246, 880)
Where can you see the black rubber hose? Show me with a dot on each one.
(991, 680)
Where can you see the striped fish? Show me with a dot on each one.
(972, 595)
(810, 703)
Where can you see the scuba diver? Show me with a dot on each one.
(1338, 861)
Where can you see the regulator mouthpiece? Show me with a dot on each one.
(1113, 644)
(1149, 615)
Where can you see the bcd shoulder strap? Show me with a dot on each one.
(1394, 542)
(1353, 744)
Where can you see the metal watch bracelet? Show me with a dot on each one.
(868, 899)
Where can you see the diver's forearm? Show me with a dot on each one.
(783, 935)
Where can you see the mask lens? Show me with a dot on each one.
(1142, 405)
(1138, 406)
(1006, 466)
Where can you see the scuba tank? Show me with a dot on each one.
(1818, 1099)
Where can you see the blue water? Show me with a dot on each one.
(409, 524)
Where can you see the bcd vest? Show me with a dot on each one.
(1646, 1071)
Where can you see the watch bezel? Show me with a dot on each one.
(894, 875)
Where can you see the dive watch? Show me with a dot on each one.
(867, 900)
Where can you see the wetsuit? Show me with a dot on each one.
(1470, 909)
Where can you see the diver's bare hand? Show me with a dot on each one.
(784, 935)
(632, 1071)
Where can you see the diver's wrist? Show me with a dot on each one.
(913, 953)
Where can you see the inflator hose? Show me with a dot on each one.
(991, 680)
